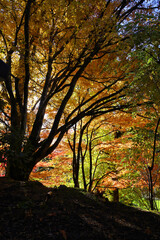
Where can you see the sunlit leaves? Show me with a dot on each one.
(70, 63)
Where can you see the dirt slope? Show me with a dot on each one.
(27, 212)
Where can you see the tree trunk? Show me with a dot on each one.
(150, 169)
(83, 175)
(151, 197)
(76, 178)
(19, 169)
(116, 195)
(75, 173)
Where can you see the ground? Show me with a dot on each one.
(30, 211)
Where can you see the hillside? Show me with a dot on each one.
(28, 212)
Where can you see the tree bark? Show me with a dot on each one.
(150, 169)
(19, 169)
(116, 195)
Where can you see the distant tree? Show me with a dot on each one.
(146, 40)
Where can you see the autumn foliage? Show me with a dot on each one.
(74, 95)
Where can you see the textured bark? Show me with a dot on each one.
(19, 169)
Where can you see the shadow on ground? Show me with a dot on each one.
(28, 212)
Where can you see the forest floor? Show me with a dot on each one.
(29, 212)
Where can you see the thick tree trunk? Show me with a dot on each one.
(19, 169)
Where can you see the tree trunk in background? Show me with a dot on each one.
(116, 195)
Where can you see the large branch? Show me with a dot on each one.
(26, 63)
(89, 52)
(128, 11)
(51, 86)
(58, 83)
(83, 103)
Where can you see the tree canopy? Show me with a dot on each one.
(67, 60)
